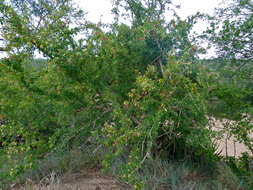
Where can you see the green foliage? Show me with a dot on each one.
(161, 117)
(233, 40)
(242, 168)
(231, 33)
(139, 89)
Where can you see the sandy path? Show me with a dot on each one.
(228, 145)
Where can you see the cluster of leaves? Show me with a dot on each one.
(232, 32)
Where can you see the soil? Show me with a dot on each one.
(228, 145)
(89, 179)
(94, 180)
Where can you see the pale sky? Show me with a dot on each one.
(101, 10)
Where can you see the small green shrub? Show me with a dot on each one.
(163, 117)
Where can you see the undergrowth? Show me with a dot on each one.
(157, 174)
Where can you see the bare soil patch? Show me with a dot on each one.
(228, 145)
(89, 179)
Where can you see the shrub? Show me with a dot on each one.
(162, 117)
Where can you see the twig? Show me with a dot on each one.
(96, 149)
(161, 67)
(156, 59)
(2, 49)
(135, 120)
(145, 157)
(226, 146)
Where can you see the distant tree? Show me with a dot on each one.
(234, 39)
(231, 32)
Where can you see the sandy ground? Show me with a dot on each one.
(228, 145)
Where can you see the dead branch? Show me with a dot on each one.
(2, 49)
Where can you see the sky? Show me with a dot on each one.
(100, 10)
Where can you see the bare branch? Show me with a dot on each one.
(2, 49)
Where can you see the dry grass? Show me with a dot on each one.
(159, 175)
(162, 175)
(85, 180)
(79, 169)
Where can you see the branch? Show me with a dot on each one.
(2, 49)
(161, 67)
(155, 60)
(41, 49)
(135, 120)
